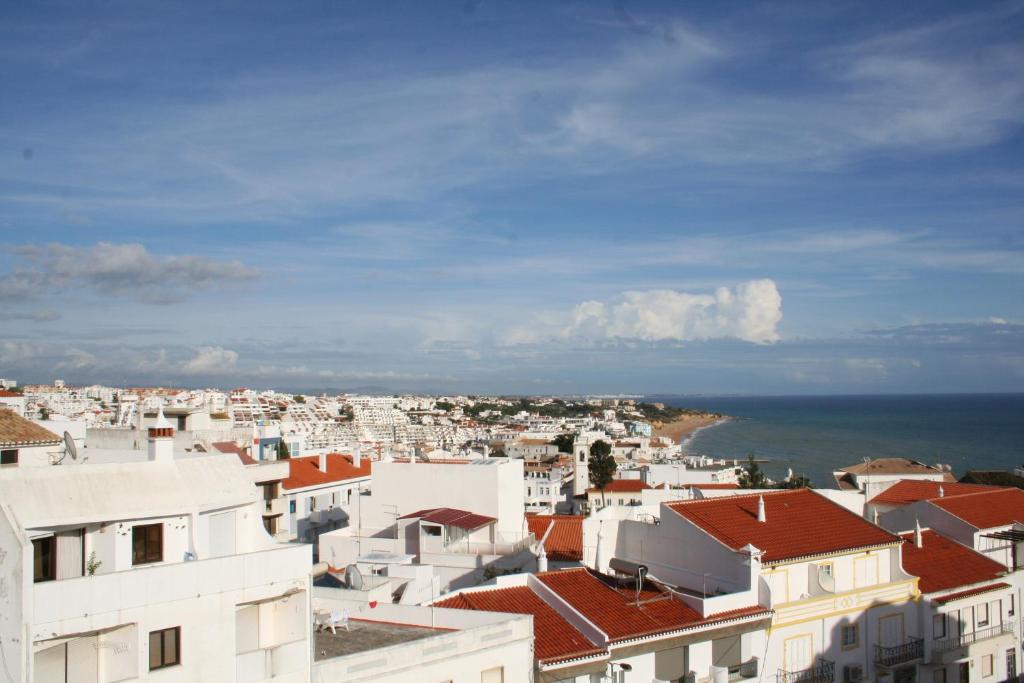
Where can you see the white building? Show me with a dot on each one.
(833, 580)
(321, 492)
(156, 570)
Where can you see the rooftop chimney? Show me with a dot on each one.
(542, 560)
(161, 439)
(760, 509)
(357, 456)
(917, 533)
(323, 462)
(942, 491)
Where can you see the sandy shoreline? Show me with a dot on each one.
(679, 430)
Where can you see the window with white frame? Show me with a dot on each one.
(982, 614)
(939, 626)
(849, 636)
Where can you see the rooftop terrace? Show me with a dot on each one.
(368, 635)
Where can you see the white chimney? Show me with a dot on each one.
(323, 462)
(760, 509)
(942, 491)
(542, 560)
(161, 439)
(357, 456)
(917, 533)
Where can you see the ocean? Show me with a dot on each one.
(814, 435)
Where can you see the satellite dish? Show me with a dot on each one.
(353, 577)
(69, 445)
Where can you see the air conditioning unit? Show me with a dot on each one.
(853, 672)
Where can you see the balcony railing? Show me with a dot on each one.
(823, 672)
(952, 643)
(899, 654)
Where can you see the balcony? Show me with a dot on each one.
(899, 654)
(274, 507)
(943, 645)
(823, 672)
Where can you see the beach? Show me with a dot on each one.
(682, 428)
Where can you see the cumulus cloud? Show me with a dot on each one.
(211, 359)
(751, 311)
(114, 269)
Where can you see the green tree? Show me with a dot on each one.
(752, 477)
(797, 481)
(564, 442)
(602, 466)
(282, 451)
(444, 405)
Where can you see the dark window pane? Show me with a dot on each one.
(44, 559)
(155, 650)
(170, 646)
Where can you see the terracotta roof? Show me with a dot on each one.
(555, 639)
(622, 486)
(452, 517)
(17, 431)
(799, 523)
(303, 472)
(985, 509)
(10, 394)
(565, 542)
(895, 466)
(891, 466)
(615, 612)
(907, 491)
(613, 609)
(231, 447)
(942, 563)
(972, 592)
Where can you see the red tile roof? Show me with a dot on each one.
(970, 593)
(232, 447)
(305, 471)
(622, 486)
(986, 509)
(613, 609)
(16, 430)
(555, 639)
(799, 523)
(565, 542)
(907, 491)
(452, 517)
(943, 563)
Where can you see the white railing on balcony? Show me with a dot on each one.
(90, 597)
(953, 642)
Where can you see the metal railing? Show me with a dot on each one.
(823, 672)
(898, 654)
(951, 643)
(748, 669)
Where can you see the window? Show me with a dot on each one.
(826, 568)
(850, 637)
(44, 559)
(939, 676)
(939, 626)
(987, 665)
(9, 457)
(982, 615)
(291, 506)
(1013, 604)
(495, 675)
(432, 530)
(312, 503)
(852, 672)
(164, 648)
(147, 543)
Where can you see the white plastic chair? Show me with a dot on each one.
(332, 620)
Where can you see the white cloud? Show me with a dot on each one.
(124, 269)
(215, 359)
(14, 352)
(751, 312)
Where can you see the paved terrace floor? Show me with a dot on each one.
(368, 635)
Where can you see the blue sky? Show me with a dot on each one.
(514, 197)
